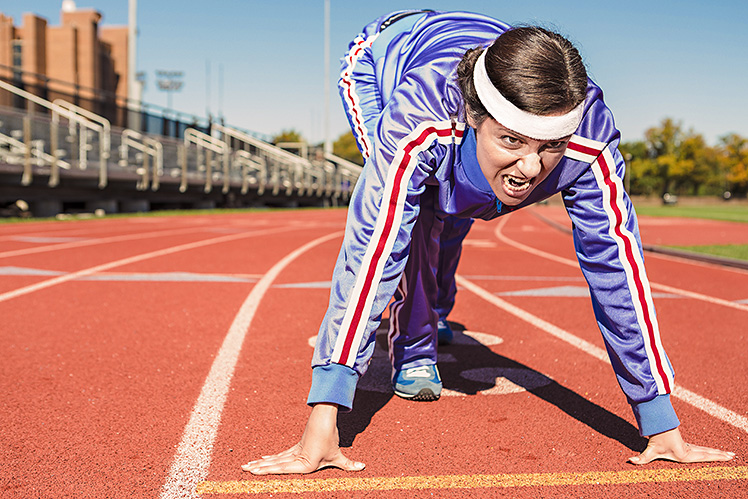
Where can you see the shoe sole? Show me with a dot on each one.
(425, 395)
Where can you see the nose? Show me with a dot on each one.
(530, 165)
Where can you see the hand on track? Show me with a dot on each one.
(318, 448)
(671, 446)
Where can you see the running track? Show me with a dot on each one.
(151, 357)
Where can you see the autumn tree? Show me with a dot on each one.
(346, 148)
(670, 159)
(733, 153)
(287, 136)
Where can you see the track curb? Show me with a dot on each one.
(688, 255)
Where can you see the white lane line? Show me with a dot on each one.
(711, 408)
(534, 320)
(94, 241)
(133, 259)
(573, 263)
(192, 460)
(706, 405)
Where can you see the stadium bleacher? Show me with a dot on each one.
(58, 157)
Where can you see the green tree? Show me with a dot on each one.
(346, 148)
(697, 171)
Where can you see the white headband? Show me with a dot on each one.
(531, 125)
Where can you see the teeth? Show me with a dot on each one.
(516, 183)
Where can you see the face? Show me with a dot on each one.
(513, 163)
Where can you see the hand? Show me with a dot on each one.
(318, 448)
(670, 445)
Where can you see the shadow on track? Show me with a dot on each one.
(475, 368)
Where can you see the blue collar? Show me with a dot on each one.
(470, 162)
(472, 168)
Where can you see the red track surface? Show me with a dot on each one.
(103, 361)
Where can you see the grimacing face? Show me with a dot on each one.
(514, 164)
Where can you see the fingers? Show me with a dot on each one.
(698, 454)
(279, 460)
(288, 452)
(295, 461)
(345, 464)
(287, 465)
(640, 459)
(687, 454)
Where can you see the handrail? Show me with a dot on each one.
(246, 161)
(71, 116)
(349, 165)
(345, 169)
(35, 151)
(298, 170)
(149, 146)
(260, 144)
(203, 140)
(105, 143)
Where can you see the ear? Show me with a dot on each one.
(469, 117)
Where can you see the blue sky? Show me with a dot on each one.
(260, 63)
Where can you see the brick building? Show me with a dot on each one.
(79, 60)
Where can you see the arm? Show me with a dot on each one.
(382, 213)
(606, 239)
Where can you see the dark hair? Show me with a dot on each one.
(537, 70)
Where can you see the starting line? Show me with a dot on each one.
(301, 486)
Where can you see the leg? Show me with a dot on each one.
(450, 248)
(413, 316)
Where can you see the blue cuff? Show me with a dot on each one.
(655, 416)
(333, 384)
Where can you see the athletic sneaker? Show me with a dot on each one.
(418, 383)
(444, 332)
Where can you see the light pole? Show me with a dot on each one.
(134, 87)
(169, 82)
(328, 142)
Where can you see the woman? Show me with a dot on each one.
(452, 130)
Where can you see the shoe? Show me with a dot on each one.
(444, 332)
(418, 383)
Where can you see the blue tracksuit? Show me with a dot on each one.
(421, 174)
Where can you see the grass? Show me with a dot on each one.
(731, 212)
(158, 213)
(727, 212)
(734, 251)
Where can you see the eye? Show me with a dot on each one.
(510, 141)
(555, 145)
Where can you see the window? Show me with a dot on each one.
(17, 59)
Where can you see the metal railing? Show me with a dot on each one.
(76, 121)
(346, 175)
(15, 151)
(250, 167)
(105, 142)
(206, 145)
(227, 155)
(152, 152)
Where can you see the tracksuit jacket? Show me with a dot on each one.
(406, 110)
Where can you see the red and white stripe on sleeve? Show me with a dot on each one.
(603, 166)
(386, 231)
